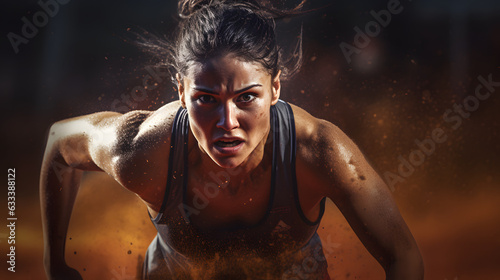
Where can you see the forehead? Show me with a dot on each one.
(227, 71)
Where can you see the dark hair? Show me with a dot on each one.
(216, 27)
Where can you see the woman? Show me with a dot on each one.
(235, 179)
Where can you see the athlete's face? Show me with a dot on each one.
(228, 102)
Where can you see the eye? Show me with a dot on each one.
(246, 97)
(205, 99)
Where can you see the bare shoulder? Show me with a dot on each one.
(326, 156)
(317, 136)
(142, 148)
(142, 130)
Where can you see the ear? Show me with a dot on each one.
(276, 88)
(180, 88)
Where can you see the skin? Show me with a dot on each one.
(225, 97)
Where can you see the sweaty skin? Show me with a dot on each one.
(227, 98)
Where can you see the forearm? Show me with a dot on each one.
(59, 185)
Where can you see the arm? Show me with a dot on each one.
(366, 203)
(73, 146)
(131, 148)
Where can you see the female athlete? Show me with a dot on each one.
(234, 179)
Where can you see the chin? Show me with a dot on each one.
(228, 163)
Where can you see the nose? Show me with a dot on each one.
(228, 117)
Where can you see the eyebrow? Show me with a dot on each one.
(202, 89)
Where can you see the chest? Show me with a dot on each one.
(222, 200)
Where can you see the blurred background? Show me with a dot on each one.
(388, 89)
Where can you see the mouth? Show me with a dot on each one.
(228, 146)
(228, 143)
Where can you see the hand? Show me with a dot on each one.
(64, 272)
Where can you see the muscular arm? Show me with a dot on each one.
(367, 204)
(73, 146)
(131, 148)
(362, 197)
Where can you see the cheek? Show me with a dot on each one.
(261, 112)
(260, 123)
(200, 125)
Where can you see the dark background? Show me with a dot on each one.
(394, 92)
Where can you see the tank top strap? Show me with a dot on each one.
(283, 130)
(286, 206)
(177, 164)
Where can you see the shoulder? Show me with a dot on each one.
(318, 135)
(142, 146)
(140, 150)
(139, 130)
(326, 157)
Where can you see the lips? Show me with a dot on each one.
(223, 143)
(228, 145)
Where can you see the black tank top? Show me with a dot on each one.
(273, 248)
